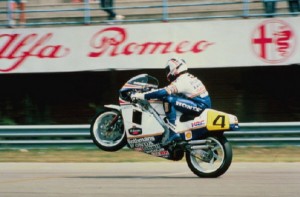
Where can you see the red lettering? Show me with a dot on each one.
(180, 47)
(127, 50)
(112, 41)
(200, 46)
(24, 42)
(105, 39)
(32, 45)
(11, 39)
(53, 52)
(155, 46)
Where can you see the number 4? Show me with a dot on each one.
(219, 121)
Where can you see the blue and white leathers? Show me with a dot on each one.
(186, 94)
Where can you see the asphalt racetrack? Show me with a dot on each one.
(146, 179)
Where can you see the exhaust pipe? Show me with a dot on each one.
(199, 147)
(198, 142)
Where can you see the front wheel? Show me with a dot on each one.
(107, 130)
(213, 161)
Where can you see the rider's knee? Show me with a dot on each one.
(170, 99)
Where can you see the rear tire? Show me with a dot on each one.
(108, 137)
(211, 162)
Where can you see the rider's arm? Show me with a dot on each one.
(156, 94)
(160, 93)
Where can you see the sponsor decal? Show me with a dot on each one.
(145, 144)
(141, 140)
(135, 131)
(186, 106)
(188, 135)
(198, 123)
(113, 41)
(273, 41)
(161, 153)
(17, 48)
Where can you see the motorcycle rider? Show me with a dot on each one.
(185, 93)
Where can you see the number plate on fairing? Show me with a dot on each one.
(217, 120)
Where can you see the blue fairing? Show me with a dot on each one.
(234, 127)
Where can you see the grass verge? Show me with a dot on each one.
(249, 154)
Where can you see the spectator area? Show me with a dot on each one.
(64, 11)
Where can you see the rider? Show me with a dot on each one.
(186, 94)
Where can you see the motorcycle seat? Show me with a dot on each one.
(187, 117)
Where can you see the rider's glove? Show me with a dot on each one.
(137, 96)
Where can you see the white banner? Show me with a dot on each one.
(203, 44)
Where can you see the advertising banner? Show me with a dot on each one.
(203, 44)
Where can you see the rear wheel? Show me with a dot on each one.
(107, 130)
(213, 161)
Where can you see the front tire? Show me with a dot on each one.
(107, 136)
(213, 161)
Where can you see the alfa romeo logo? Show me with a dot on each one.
(273, 41)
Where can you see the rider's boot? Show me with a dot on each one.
(170, 137)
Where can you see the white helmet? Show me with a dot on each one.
(174, 68)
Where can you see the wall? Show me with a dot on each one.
(64, 75)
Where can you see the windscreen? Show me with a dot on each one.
(141, 83)
(144, 80)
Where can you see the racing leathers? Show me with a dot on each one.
(186, 94)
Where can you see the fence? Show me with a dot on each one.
(77, 136)
(63, 12)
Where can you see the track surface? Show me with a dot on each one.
(146, 179)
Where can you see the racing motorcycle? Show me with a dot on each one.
(140, 124)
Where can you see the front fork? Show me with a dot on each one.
(114, 120)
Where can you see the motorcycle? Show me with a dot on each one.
(140, 124)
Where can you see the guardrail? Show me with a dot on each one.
(77, 136)
(148, 11)
(266, 134)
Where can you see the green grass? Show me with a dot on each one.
(250, 154)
